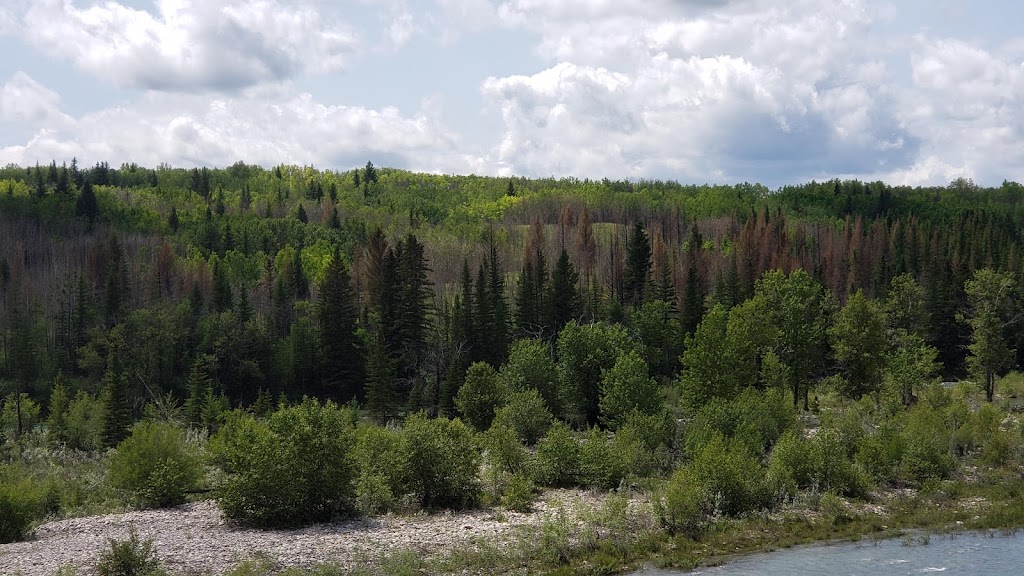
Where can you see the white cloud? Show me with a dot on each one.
(191, 44)
(674, 89)
(266, 127)
(23, 100)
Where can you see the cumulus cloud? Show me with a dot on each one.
(26, 101)
(260, 126)
(750, 91)
(190, 44)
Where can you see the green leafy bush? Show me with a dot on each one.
(686, 505)
(294, 469)
(131, 557)
(757, 419)
(83, 423)
(19, 507)
(526, 414)
(600, 465)
(558, 457)
(9, 415)
(383, 466)
(642, 443)
(480, 395)
(443, 462)
(726, 472)
(519, 493)
(156, 464)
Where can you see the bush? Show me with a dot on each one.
(558, 457)
(726, 472)
(526, 414)
(18, 509)
(383, 469)
(600, 465)
(9, 415)
(626, 387)
(519, 493)
(443, 462)
(757, 419)
(686, 506)
(156, 465)
(294, 469)
(131, 557)
(503, 450)
(83, 423)
(642, 443)
(479, 396)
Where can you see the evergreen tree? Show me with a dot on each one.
(117, 402)
(565, 298)
(86, 206)
(172, 220)
(638, 265)
(199, 388)
(694, 294)
(63, 187)
(223, 299)
(300, 285)
(382, 394)
(342, 363)
(499, 326)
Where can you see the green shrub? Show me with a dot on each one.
(792, 463)
(834, 471)
(642, 443)
(383, 469)
(558, 457)
(502, 449)
(18, 509)
(83, 423)
(9, 415)
(294, 469)
(757, 419)
(726, 472)
(479, 396)
(519, 493)
(600, 465)
(131, 557)
(880, 454)
(443, 462)
(526, 414)
(686, 506)
(627, 387)
(156, 465)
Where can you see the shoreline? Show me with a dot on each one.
(568, 532)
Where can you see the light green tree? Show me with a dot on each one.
(991, 309)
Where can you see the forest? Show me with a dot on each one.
(307, 345)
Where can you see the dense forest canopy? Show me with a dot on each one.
(383, 286)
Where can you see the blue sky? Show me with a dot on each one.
(910, 91)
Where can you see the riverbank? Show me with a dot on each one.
(568, 532)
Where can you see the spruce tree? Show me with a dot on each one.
(566, 304)
(638, 264)
(199, 388)
(342, 363)
(694, 293)
(116, 401)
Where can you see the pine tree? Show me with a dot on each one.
(199, 387)
(86, 206)
(116, 401)
(300, 285)
(565, 298)
(638, 265)
(172, 220)
(382, 396)
(694, 293)
(342, 363)
(499, 326)
(222, 296)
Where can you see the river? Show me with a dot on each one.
(988, 554)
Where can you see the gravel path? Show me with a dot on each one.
(195, 539)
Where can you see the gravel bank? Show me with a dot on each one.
(195, 538)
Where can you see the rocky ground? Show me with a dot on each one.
(195, 538)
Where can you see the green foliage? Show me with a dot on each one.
(480, 395)
(295, 469)
(858, 337)
(443, 462)
(519, 493)
(626, 388)
(584, 351)
(600, 464)
(503, 450)
(383, 465)
(20, 504)
(819, 463)
(526, 414)
(726, 478)
(157, 464)
(754, 418)
(131, 557)
(643, 443)
(15, 415)
(992, 306)
(530, 366)
(558, 457)
(660, 333)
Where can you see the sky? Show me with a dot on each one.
(914, 92)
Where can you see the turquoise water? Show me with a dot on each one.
(992, 554)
